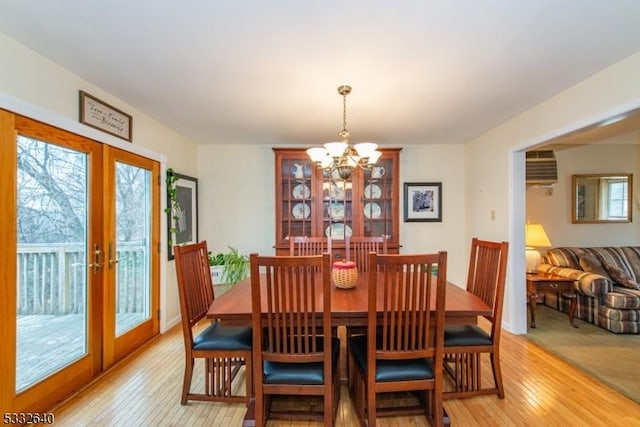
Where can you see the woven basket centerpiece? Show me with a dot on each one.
(344, 274)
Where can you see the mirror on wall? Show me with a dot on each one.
(601, 198)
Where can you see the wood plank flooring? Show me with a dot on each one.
(541, 390)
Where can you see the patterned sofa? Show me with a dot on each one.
(608, 284)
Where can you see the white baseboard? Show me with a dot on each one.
(165, 326)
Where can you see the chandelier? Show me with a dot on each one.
(340, 156)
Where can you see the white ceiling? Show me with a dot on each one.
(266, 72)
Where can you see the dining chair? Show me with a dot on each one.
(464, 344)
(224, 349)
(293, 349)
(406, 351)
(357, 249)
(304, 245)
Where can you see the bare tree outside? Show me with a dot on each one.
(51, 196)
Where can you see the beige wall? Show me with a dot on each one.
(495, 164)
(237, 197)
(445, 164)
(34, 86)
(554, 211)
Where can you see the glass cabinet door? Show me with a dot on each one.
(377, 200)
(297, 196)
(337, 206)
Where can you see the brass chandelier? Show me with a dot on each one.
(340, 156)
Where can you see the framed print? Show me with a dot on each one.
(423, 201)
(102, 116)
(182, 210)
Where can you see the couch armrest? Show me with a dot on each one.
(590, 284)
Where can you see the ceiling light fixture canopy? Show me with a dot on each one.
(340, 156)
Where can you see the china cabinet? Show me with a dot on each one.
(312, 202)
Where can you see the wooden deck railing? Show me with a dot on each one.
(52, 278)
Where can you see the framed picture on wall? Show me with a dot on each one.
(422, 202)
(182, 210)
(107, 118)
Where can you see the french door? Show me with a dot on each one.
(80, 260)
(131, 253)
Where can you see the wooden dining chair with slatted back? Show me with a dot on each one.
(294, 351)
(304, 245)
(224, 349)
(357, 249)
(405, 354)
(465, 344)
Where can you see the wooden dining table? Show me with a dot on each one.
(349, 307)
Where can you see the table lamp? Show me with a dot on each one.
(534, 236)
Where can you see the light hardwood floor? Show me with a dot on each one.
(541, 390)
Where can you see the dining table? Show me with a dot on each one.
(349, 307)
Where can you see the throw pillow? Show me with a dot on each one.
(620, 277)
(591, 264)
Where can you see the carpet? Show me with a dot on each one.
(613, 359)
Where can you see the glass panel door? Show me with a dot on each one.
(52, 263)
(378, 198)
(131, 252)
(338, 205)
(297, 197)
(131, 290)
(52, 270)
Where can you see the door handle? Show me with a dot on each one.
(97, 258)
(112, 255)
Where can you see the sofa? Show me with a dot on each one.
(607, 284)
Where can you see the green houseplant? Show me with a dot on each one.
(172, 205)
(236, 265)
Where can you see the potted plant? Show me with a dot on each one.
(228, 267)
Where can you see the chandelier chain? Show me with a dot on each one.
(344, 112)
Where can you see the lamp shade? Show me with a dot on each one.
(535, 236)
(336, 149)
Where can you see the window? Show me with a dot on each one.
(617, 201)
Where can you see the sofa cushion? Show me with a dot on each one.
(592, 264)
(563, 257)
(613, 255)
(619, 276)
(623, 298)
(620, 315)
(619, 326)
(633, 257)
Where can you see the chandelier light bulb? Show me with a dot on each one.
(316, 154)
(336, 149)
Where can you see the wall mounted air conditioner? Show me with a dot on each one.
(541, 168)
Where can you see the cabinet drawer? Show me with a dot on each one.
(555, 286)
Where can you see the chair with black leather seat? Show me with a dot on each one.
(357, 249)
(305, 245)
(465, 344)
(224, 349)
(406, 352)
(294, 351)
